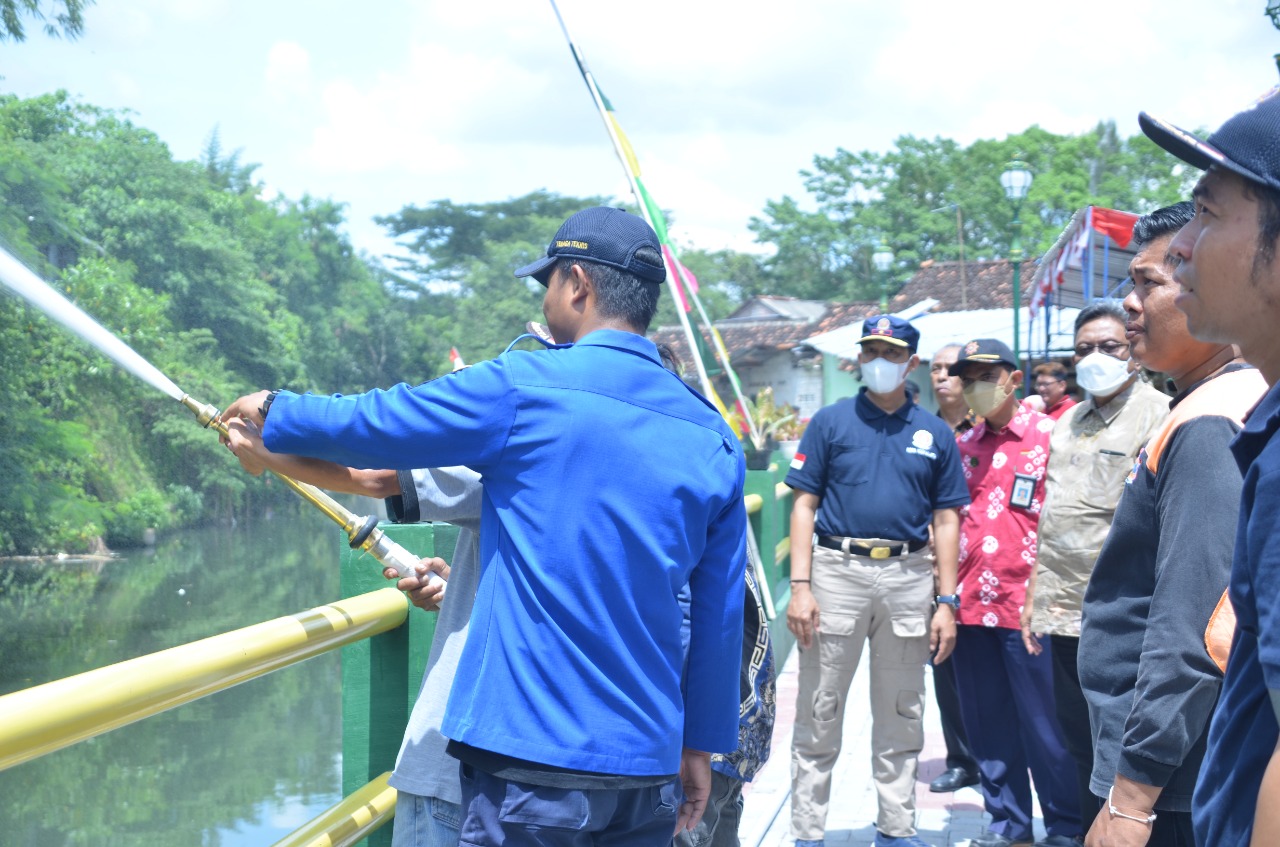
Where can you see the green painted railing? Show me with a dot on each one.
(769, 503)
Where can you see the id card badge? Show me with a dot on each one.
(1023, 489)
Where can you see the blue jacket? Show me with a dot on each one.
(608, 484)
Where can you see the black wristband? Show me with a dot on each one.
(266, 404)
(794, 581)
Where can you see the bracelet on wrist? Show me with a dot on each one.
(794, 581)
(1115, 811)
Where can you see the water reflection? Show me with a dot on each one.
(242, 767)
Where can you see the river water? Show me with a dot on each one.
(242, 767)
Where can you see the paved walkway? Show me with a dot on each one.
(945, 820)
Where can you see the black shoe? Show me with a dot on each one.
(953, 779)
(993, 839)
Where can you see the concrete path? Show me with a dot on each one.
(945, 820)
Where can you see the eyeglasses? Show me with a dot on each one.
(1111, 348)
(1045, 383)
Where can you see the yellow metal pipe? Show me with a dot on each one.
(782, 550)
(781, 491)
(58, 714)
(348, 821)
(754, 503)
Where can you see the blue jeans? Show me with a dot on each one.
(503, 813)
(425, 822)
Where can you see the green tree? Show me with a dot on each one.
(907, 196)
(59, 18)
(222, 290)
(459, 279)
(725, 279)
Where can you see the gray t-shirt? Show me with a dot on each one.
(452, 495)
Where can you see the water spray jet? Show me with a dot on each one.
(362, 532)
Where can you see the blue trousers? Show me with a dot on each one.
(1006, 699)
(499, 812)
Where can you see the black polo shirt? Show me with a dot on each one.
(879, 475)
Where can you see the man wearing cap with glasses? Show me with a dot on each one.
(1230, 281)
(1150, 683)
(871, 475)
(608, 486)
(1092, 449)
(1006, 692)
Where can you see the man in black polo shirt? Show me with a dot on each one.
(871, 475)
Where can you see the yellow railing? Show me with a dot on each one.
(349, 821)
(58, 714)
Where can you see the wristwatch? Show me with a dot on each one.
(952, 600)
(266, 403)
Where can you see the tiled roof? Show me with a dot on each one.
(765, 325)
(774, 307)
(750, 342)
(984, 285)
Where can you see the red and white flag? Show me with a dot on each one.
(455, 359)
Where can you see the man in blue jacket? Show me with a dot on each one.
(608, 485)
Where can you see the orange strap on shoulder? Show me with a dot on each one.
(1220, 631)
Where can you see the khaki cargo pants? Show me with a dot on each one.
(887, 602)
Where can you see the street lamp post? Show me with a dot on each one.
(883, 260)
(1016, 179)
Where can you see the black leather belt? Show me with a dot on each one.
(856, 547)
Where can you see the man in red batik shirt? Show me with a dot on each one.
(1006, 694)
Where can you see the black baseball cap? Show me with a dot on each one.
(1247, 144)
(605, 235)
(892, 329)
(984, 351)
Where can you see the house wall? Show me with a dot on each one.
(809, 388)
(794, 383)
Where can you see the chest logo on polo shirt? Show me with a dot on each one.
(922, 443)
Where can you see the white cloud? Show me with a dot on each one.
(481, 101)
(288, 71)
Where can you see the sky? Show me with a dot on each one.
(388, 104)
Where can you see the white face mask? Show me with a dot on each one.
(1100, 374)
(883, 376)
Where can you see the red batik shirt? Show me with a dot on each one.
(1005, 472)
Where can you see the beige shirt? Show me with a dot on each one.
(1091, 452)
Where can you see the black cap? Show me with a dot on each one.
(1247, 144)
(605, 235)
(892, 329)
(984, 351)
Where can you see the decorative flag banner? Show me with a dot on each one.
(683, 284)
(455, 359)
(1074, 244)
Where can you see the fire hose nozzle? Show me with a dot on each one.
(206, 414)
